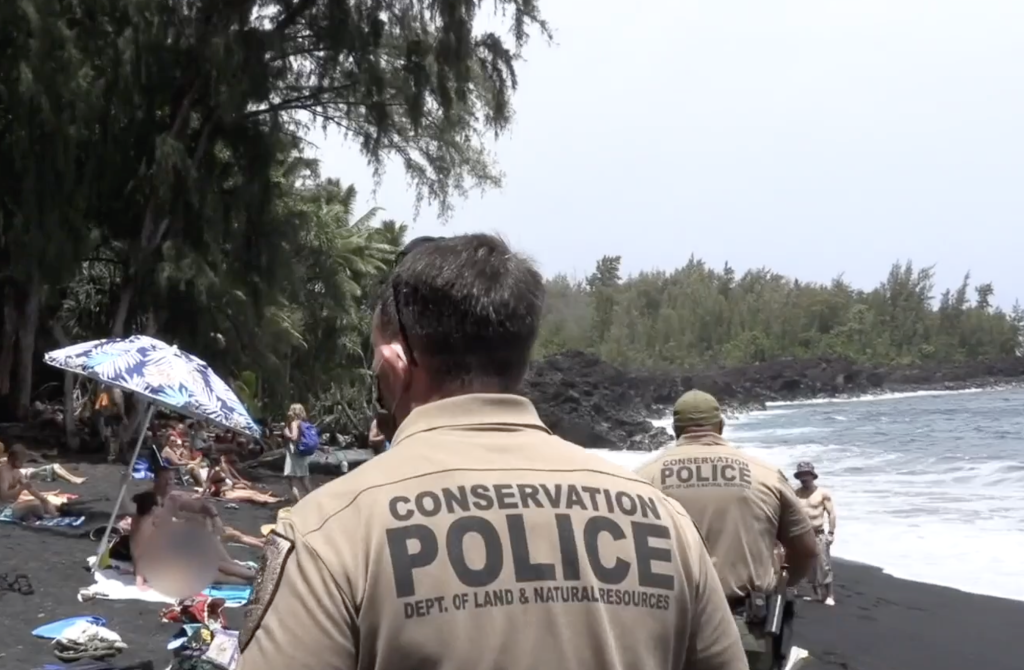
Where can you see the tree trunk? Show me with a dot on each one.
(70, 423)
(27, 327)
(124, 301)
(7, 339)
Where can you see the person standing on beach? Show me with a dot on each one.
(296, 465)
(817, 502)
(742, 506)
(480, 540)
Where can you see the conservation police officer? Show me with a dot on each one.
(742, 506)
(481, 540)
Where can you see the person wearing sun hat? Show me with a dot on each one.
(742, 506)
(817, 502)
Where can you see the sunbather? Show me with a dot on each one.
(149, 548)
(43, 473)
(225, 482)
(175, 454)
(13, 483)
(163, 488)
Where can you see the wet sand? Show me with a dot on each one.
(879, 623)
(883, 623)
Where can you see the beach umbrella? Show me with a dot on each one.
(162, 374)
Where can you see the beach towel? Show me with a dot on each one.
(66, 524)
(117, 582)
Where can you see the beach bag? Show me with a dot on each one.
(309, 439)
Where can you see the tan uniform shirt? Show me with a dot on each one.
(741, 504)
(480, 540)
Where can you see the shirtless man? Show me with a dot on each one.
(46, 473)
(817, 503)
(13, 483)
(160, 506)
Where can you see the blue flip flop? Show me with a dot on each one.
(52, 631)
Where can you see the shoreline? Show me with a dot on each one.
(885, 572)
(735, 410)
(894, 392)
(881, 622)
(901, 566)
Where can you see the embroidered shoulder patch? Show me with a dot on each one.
(276, 550)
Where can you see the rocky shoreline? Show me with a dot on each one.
(598, 405)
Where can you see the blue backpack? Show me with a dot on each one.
(309, 439)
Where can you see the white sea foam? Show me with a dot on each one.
(872, 398)
(953, 516)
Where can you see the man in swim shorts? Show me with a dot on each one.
(43, 473)
(13, 483)
(817, 503)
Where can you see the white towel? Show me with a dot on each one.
(118, 583)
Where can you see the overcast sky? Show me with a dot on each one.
(811, 136)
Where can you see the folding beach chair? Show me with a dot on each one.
(180, 477)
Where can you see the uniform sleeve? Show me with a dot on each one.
(300, 618)
(714, 638)
(793, 520)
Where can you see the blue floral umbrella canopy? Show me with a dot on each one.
(161, 373)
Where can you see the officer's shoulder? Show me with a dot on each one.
(763, 469)
(338, 499)
(569, 455)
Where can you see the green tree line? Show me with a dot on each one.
(699, 316)
(156, 178)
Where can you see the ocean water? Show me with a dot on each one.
(928, 486)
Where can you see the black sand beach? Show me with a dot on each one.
(56, 567)
(879, 623)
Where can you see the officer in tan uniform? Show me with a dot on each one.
(742, 506)
(481, 540)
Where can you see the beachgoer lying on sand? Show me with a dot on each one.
(153, 516)
(225, 482)
(176, 455)
(51, 472)
(163, 488)
(13, 483)
(44, 473)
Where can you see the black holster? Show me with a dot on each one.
(755, 609)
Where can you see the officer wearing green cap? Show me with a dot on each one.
(742, 506)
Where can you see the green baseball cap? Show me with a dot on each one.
(696, 408)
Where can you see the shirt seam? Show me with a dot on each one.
(319, 527)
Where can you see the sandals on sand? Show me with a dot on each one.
(20, 583)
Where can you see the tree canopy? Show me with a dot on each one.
(157, 180)
(698, 316)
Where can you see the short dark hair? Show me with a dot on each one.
(468, 306)
(144, 502)
(18, 454)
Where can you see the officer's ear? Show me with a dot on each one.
(721, 426)
(393, 367)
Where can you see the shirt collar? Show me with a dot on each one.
(474, 409)
(704, 439)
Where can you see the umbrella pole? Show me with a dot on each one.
(124, 486)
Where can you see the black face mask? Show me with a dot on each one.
(386, 423)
